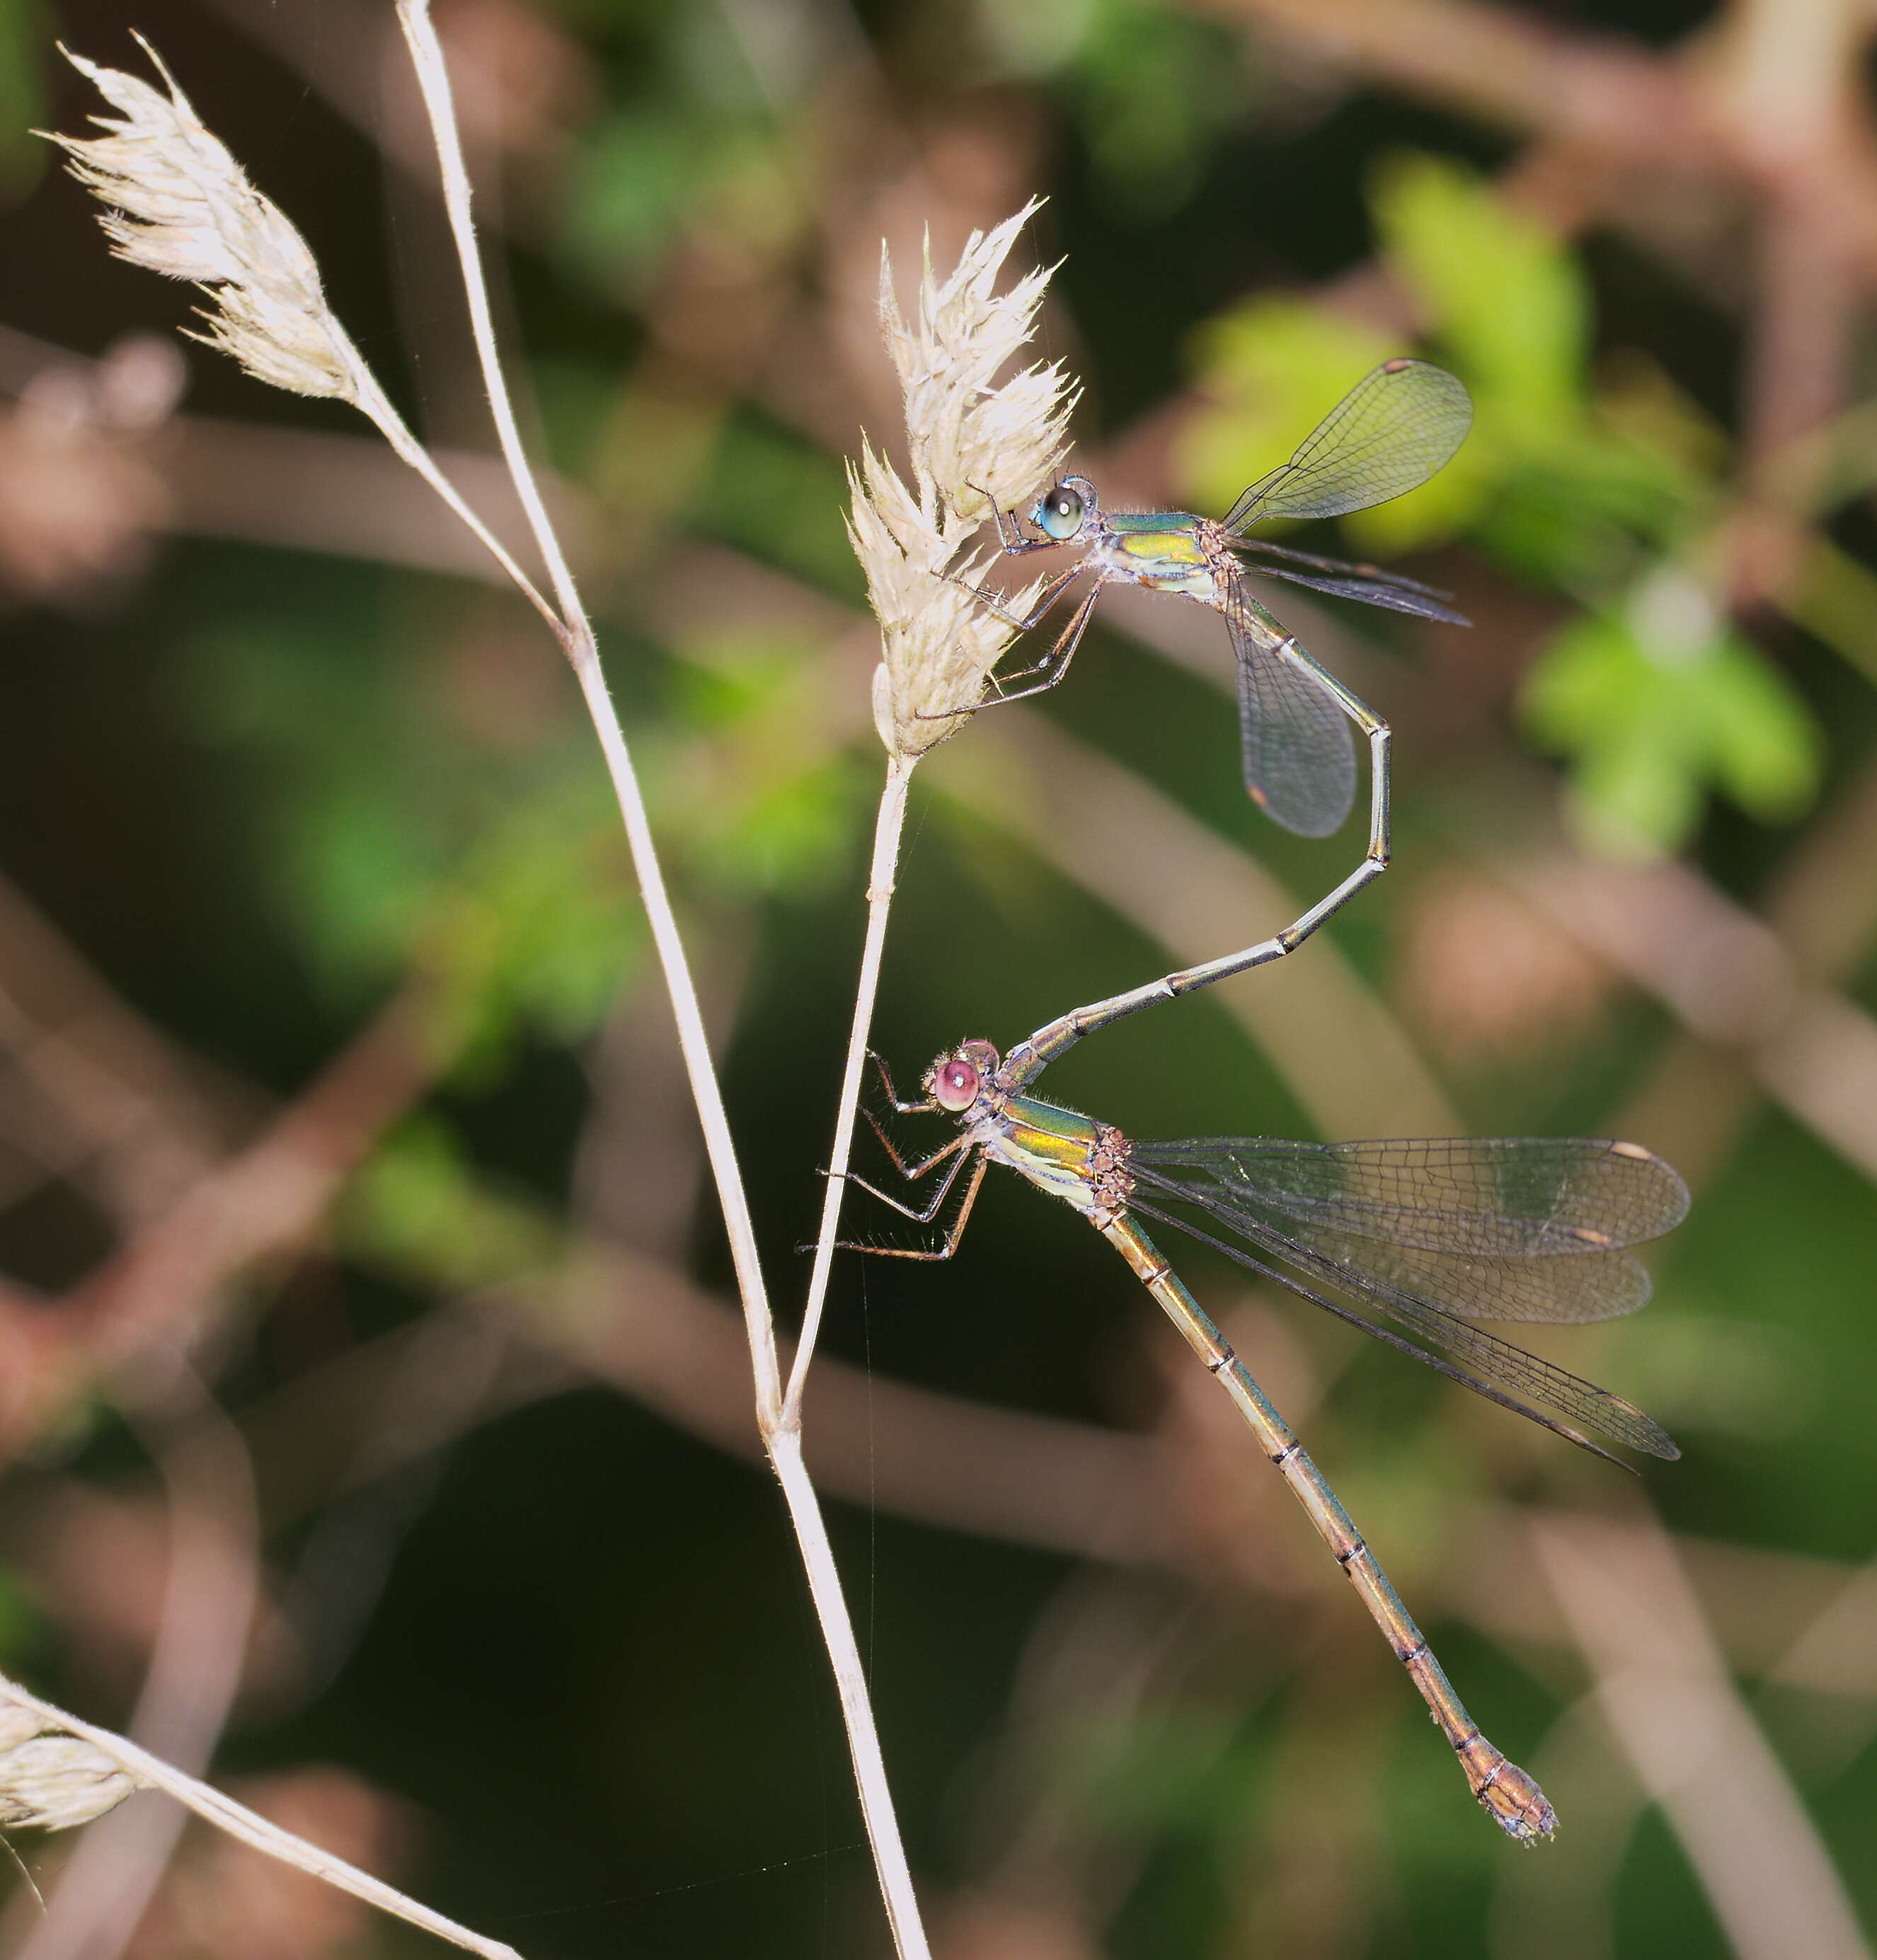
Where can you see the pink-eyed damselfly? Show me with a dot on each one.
(1434, 1235)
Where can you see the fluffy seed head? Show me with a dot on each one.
(53, 1781)
(180, 205)
(938, 642)
(975, 445)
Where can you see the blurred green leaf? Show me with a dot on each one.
(762, 804)
(25, 44)
(1155, 88)
(420, 1208)
(538, 925)
(1503, 294)
(1659, 702)
(1042, 38)
(389, 840)
(1270, 370)
(631, 183)
(1151, 88)
(780, 499)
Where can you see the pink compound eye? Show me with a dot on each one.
(955, 1087)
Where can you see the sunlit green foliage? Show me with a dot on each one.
(420, 1210)
(1653, 712)
(23, 56)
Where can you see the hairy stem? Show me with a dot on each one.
(887, 830)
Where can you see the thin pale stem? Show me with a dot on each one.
(870, 1767)
(757, 1320)
(880, 897)
(373, 403)
(576, 636)
(433, 79)
(153, 1773)
(576, 633)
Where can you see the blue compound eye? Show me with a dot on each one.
(1058, 512)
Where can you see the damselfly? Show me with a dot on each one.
(1434, 1236)
(1389, 434)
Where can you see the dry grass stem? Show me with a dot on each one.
(780, 1436)
(56, 1771)
(180, 204)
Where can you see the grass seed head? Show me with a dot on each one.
(976, 445)
(179, 204)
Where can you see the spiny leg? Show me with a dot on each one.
(952, 1237)
(1030, 1058)
(1055, 663)
(931, 1211)
(1510, 1796)
(927, 1108)
(993, 601)
(911, 1172)
(1015, 542)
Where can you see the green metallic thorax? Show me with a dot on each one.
(1161, 549)
(1054, 1148)
(1131, 524)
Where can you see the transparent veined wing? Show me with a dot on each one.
(1391, 431)
(1369, 583)
(1300, 757)
(1529, 1197)
(1441, 1233)
(1491, 1367)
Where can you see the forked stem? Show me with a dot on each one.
(779, 1432)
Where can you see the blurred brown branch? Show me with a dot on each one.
(106, 1885)
(88, 1090)
(1755, 994)
(1669, 1697)
(153, 1294)
(1513, 69)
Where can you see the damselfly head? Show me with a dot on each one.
(954, 1080)
(1061, 511)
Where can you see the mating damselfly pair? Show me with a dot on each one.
(1435, 1236)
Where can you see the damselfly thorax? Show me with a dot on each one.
(1166, 551)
